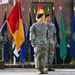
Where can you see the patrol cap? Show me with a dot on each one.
(47, 15)
(40, 15)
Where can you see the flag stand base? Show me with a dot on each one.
(2, 64)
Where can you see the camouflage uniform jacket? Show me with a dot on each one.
(51, 33)
(38, 33)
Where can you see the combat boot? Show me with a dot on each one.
(43, 71)
(51, 69)
(38, 71)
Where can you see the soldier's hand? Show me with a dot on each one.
(54, 44)
(33, 45)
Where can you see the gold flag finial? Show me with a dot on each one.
(74, 8)
(48, 9)
(60, 7)
(34, 11)
(29, 9)
(53, 8)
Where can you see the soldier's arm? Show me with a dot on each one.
(54, 34)
(46, 32)
(32, 35)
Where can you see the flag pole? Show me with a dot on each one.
(14, 2)
(2, 26)
(14, 58)
(4, 22)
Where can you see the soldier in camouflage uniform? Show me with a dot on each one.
(51, 40)
(38, 38)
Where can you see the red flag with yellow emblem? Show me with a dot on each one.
(40, 9)
(15, 24)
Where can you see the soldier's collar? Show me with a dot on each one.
(40, 23)
(48, 23)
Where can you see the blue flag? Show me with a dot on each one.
(31, 49)
(72, 38)
(5, 51)
(5, 26)
(57, 31)
(23, 47)
(57, 27)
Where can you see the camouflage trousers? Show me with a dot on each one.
(40, 55)
(50, 53)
